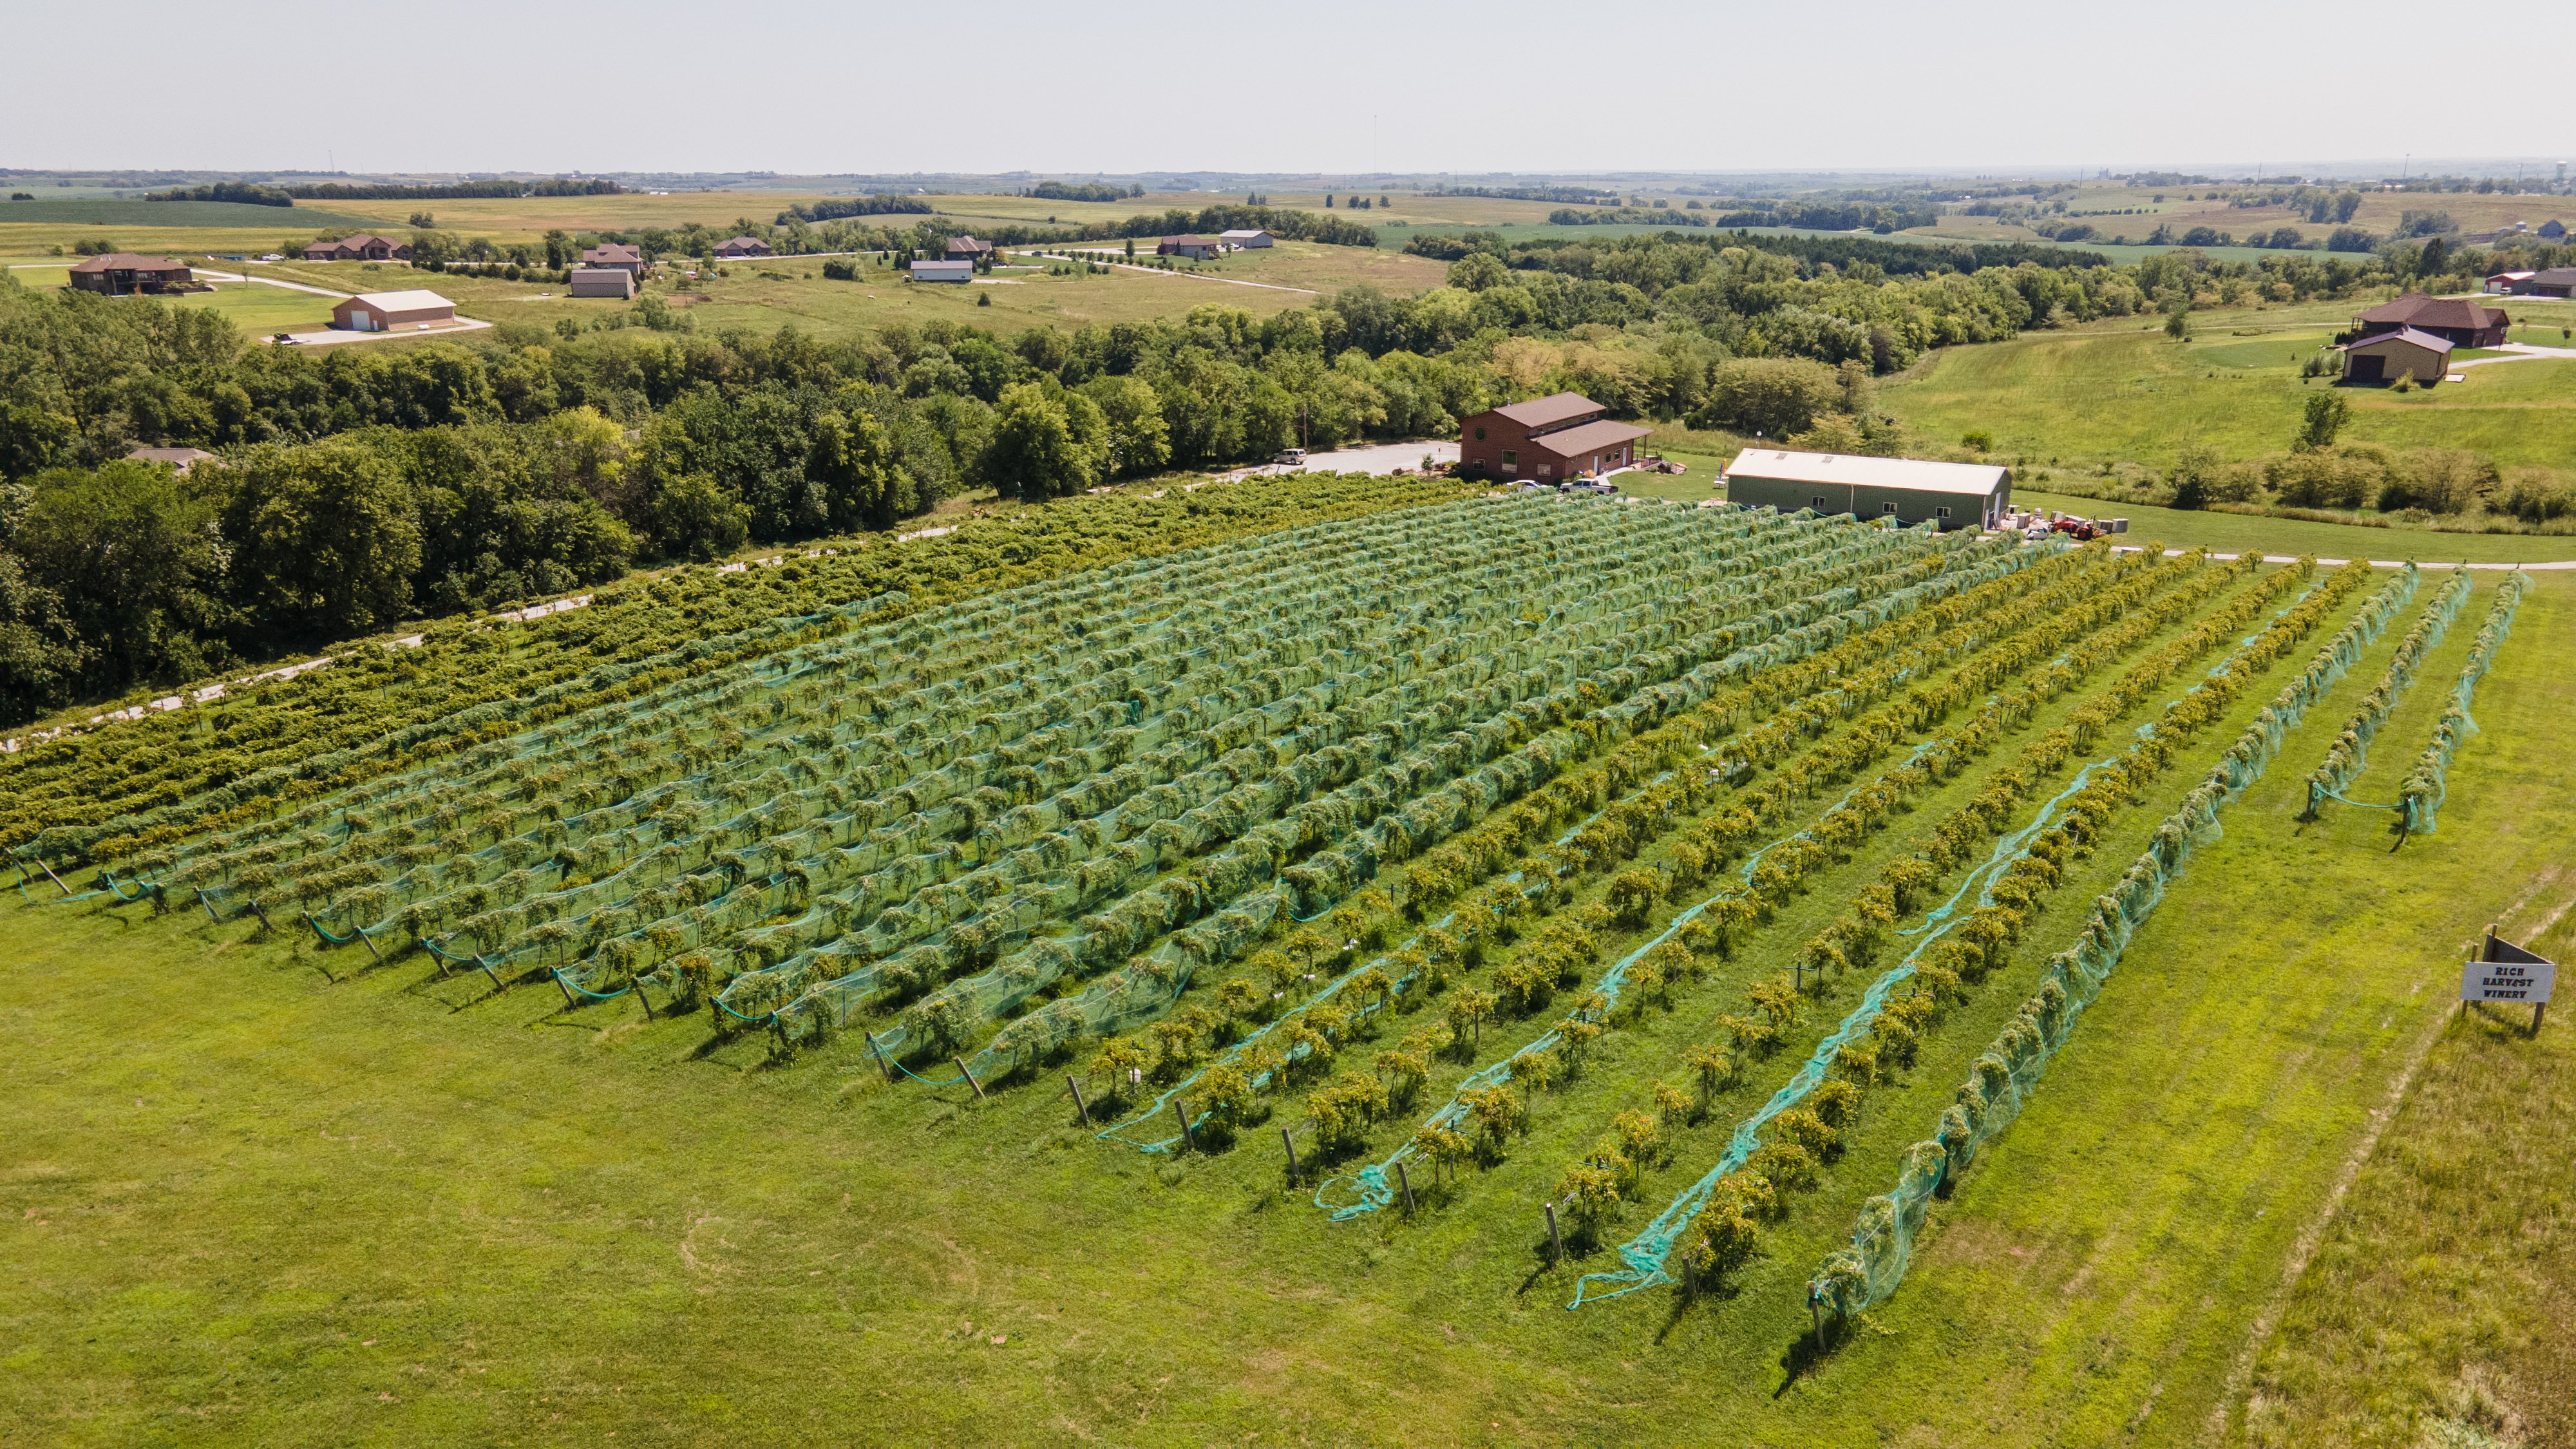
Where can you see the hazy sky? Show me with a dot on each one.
(1258, 85)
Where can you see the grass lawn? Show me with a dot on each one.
(260, 311)
(2124, 390)
(248, 1202)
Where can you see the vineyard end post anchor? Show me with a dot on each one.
(1405, 1180)
(969, 1076)
(1181, 1110)
(1291, 1144)
(1079, 1105)
(1556, 1240)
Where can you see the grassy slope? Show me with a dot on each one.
(2124, 390)
(231, 1174)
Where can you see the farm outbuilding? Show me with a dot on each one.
(121, 274)
(1911, 490)
(390, 311)
(2462, 324)
(960, 272)
(2550, 282)
(2503, 282)
(2389, 356)
(602, 282)
(1243, 238)
(1547, 440)
(742, 246)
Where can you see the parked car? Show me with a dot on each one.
(1289, 455)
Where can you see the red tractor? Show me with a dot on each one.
(2077, 529)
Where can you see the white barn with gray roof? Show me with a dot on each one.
(1913, 490)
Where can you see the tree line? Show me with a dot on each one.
(449, 475)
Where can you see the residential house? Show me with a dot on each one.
(1910, 490)
(743, 246)
(2463, 324)
(1195, 248)
(967, 249)
(1547, 440)
(120, 274)
(388, 311)
(364, 247)
(612, 254)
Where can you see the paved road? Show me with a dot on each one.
(267, 282)
(2523, 352)
(1376, 458)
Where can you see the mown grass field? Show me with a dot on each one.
(262, 1192)
(2124, 390)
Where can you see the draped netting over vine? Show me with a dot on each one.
(1005, 825)
(1865, 1272)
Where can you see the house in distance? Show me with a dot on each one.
(1911, 490)
(1196, 248)
(121, 274)
(364, 247)
(966, 249)
(743, 246)
(611, 254)
(1547, 440)
(2462, 324)
(388, 311)
(2548, 282)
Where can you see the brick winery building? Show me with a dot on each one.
(1547, 440)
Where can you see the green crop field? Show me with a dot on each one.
(121, 217)
(862, 995)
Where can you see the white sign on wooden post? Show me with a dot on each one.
(2523, 983)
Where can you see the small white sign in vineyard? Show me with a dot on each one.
(2503, 972)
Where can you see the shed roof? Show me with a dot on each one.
(2408, 335)
(411, 301)
(943, 266)
(2418, 310)
(1241, 232)
(1589, 437)
(742, 241)
(1918, 474)
(180, 458)
(1538, 412)
(130, 262)
(2516, 276)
